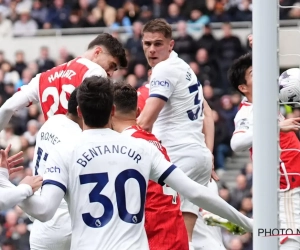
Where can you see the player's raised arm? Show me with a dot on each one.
(27, 95)
(42, 207)
(161, 88)
(163, 172)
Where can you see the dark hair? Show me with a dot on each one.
(72, 103)
(125, 97)
(95, 99)
(158, 25)
(114, 47)
(237, 71)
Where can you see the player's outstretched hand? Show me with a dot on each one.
(250, 39)
(291, 124)
(34, 181)
(10, 163)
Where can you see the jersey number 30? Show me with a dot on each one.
(101, 180)
(193, 115)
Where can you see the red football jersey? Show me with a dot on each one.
(56, 84)
(143, 94)
(290, 158)
(164, 223)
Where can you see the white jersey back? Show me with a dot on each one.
(181, 119)
(55, 130)
(105, 177)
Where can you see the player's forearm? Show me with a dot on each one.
(209, 127)
(12, 196)
(16, 102)
(150, 113)
(43, 207)
(206, 199)
(241, 141)
(4, 182)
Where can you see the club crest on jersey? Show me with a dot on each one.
(155, 83)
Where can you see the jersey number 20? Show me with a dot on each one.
(193, 115)
(95, 196)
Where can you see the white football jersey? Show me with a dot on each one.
(54, 131)
(181, 119)
(105, 177)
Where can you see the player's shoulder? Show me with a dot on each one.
(144, 89)
(245, 110)
(138, 132)
(91, 66)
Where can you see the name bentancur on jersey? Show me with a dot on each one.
(111, 149)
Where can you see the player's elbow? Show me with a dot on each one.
(238, 144)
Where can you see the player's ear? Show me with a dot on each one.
(242, 88)
(138, 112)
(171, 45)
(79, 112)
(113, 110)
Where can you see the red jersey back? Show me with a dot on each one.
(143, 94)
(57, 84)
(164, 223)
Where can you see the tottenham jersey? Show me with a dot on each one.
(181, 119)
(105, 176)
(56, 130)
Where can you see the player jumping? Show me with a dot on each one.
(175, 111)
(240, 76)
(52, 88)
(105, 170)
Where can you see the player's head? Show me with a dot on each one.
(125, 101)
(95, 102)
(157, 41)
(240, 75)
(108, 52)
(72, 109)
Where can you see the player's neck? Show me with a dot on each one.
(249, 98)
(86, 127)
(120, 124)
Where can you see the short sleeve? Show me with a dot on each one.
(243, 121)
(162, 82)
(56, 169)
(31, 90)
(160, 167)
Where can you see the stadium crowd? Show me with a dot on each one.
(208, 57)
(25, 17)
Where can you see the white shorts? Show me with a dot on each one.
(207, 237)
(196, 162)
(289, 213)
(51, 235)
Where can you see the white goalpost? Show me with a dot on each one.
(265, 112)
